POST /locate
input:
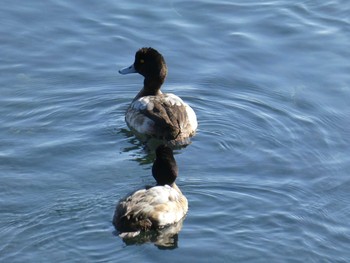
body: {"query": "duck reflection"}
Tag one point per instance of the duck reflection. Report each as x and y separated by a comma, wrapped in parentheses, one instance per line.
(154, 214)
(166, 238)
(143, 148)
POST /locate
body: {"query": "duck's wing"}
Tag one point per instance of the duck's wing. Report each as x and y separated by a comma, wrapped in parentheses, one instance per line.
(151, 208)
(127, 216)
(169, 114)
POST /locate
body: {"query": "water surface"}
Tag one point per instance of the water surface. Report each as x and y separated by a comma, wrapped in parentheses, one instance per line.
(266, 175)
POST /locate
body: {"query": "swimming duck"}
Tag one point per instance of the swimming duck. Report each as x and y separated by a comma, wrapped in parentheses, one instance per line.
(156, 207)
(160, 115)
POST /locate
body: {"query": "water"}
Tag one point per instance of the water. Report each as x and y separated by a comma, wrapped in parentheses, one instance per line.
(266, 175)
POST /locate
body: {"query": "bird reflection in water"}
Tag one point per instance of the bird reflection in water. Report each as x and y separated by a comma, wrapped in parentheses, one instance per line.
(166, 238)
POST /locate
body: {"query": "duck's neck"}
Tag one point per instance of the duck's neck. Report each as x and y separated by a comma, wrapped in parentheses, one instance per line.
(151, 87)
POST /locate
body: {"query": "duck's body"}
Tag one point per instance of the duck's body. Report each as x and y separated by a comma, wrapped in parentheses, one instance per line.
(152, 208)
(164, 116)
(152, 113)
(155, 207)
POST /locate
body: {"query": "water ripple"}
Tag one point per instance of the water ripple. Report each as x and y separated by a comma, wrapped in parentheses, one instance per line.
(267, 173)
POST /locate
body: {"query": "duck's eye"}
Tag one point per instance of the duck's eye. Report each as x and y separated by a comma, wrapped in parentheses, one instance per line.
(142, 61)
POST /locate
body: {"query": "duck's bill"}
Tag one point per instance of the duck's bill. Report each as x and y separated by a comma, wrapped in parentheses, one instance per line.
(128, 70)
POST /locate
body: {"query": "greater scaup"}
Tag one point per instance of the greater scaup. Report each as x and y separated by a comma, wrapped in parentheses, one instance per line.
(156, 207)
(160, 115)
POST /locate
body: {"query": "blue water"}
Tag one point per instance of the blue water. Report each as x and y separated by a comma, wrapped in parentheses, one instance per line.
(266, 176)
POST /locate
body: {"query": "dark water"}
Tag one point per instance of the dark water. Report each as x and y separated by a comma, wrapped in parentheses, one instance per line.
(267, 175)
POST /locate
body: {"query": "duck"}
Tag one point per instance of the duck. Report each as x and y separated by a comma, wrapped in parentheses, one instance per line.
(152, 113)
(156, 207)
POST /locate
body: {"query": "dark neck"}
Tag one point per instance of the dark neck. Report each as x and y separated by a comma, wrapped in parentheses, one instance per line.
(151, 87)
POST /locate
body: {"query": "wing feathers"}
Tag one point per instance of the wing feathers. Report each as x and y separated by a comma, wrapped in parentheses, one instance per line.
(145, 209)
(168, 114)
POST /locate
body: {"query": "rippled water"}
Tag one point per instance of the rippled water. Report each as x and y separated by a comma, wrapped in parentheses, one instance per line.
(266, 175)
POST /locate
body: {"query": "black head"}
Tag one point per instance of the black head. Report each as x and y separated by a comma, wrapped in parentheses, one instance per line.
(164, 168)
(150, 64)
